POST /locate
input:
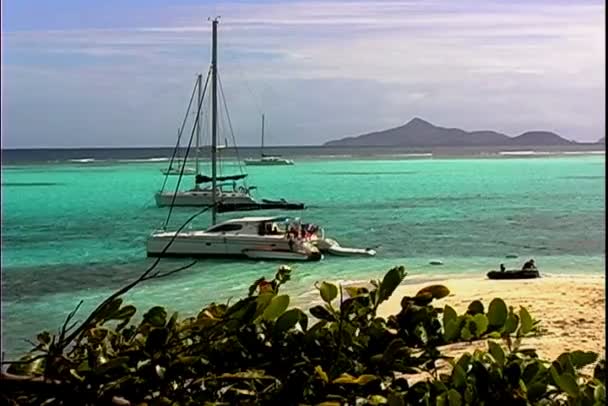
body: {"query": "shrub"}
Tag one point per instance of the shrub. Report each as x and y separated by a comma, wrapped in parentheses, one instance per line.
(260, 351)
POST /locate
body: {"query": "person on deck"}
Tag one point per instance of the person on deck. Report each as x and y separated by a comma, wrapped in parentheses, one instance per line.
(529, 265)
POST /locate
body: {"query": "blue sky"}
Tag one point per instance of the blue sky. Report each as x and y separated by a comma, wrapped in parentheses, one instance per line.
(120, 73)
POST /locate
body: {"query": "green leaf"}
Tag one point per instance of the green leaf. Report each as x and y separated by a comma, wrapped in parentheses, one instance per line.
(329, 291)
(497, 312)
(28, 365)
(459, 376)
(287, 321)
(497, 352)
(583, 358)
(436, 291)
(536, 390)
(466, 334)
(277, 306)
(321, 313)
(526, 320)
(344, 379)
(475, 307)
(510, 324)
(115, 363)
(321, 374)
(481, 324)
(391, 280)
(106, 312)
(568, 384)
(365, 379)
(449, 314)
(423, 299)
(454, 397)
(451, 330)
(599, 393)
(156, 316)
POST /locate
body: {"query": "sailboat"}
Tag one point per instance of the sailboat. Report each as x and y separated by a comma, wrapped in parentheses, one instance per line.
(175, 165)
(267, 160)
(227, 189)
(281, 238)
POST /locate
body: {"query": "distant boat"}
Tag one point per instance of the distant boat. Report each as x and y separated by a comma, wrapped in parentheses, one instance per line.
(175, 166)
(267, 160)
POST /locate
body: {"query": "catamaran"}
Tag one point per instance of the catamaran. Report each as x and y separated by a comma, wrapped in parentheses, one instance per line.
(227, 187)
(281, 238)
(267, 160)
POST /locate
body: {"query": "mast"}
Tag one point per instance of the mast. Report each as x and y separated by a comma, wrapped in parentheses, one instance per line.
(198, 122)
(262, 152)
(214, 121)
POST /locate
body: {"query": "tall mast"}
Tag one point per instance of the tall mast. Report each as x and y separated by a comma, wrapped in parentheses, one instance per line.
(262, 135)
(214, 121)
(198, 121)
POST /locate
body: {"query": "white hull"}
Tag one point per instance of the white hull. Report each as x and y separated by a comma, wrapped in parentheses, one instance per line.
(206, 244)
(278, 255)
(201, 198)
(268, 162)
(332, 247)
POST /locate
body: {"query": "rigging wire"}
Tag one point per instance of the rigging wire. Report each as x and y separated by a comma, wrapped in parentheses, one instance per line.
(181, 174)
(236, 148)
(179, 135)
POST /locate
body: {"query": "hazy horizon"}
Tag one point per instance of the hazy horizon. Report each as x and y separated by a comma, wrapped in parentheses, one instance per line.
(114, 75)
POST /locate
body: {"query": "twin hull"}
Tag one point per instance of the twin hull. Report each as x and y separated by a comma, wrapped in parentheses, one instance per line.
(201, 198)
(198, 244)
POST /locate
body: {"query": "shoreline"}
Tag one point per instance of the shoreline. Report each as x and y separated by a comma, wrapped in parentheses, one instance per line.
(570, 309)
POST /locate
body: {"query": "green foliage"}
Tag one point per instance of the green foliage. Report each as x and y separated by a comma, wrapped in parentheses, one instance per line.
(259, 351)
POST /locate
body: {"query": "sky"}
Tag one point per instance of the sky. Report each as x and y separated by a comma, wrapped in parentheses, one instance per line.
(118, 73)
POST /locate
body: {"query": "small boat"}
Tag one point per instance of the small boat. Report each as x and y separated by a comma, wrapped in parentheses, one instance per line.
(332, 246)
(514, 274)
(267, 160)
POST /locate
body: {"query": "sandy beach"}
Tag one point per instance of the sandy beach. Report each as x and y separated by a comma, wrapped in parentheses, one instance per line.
(571, 309)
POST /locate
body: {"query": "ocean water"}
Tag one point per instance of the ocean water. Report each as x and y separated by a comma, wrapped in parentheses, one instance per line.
(76, 229)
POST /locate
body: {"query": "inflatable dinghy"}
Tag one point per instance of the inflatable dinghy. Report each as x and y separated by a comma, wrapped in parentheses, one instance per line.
(332, 247)
(514, 274)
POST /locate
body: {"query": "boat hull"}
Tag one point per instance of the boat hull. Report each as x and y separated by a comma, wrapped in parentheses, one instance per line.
(206, 245)
(261, 162)
(518, 274)
(202, 198)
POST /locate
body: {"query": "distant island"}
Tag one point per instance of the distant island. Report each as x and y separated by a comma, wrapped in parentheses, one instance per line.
(420, 133)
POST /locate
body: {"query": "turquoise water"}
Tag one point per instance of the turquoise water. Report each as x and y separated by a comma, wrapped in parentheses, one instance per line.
(77, 231)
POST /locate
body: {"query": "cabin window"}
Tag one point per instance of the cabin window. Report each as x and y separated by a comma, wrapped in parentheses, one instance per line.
(225, 227)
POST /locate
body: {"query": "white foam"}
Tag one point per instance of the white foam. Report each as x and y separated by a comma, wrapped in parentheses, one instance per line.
(159, 159)
(83, 160)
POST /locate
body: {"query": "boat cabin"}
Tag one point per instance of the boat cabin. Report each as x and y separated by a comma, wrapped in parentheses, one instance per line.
(280, 226)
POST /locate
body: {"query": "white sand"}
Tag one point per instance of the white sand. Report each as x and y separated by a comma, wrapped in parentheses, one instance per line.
(571, 309)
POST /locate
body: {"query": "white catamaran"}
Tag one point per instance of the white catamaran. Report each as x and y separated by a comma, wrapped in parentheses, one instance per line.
(267, 160)
(227, 189)
(281, 238)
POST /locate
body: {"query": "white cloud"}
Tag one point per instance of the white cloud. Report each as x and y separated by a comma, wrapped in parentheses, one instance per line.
(482, 64)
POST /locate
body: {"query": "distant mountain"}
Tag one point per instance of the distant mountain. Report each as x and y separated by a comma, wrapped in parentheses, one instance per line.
(601, 140)
(420, 133)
